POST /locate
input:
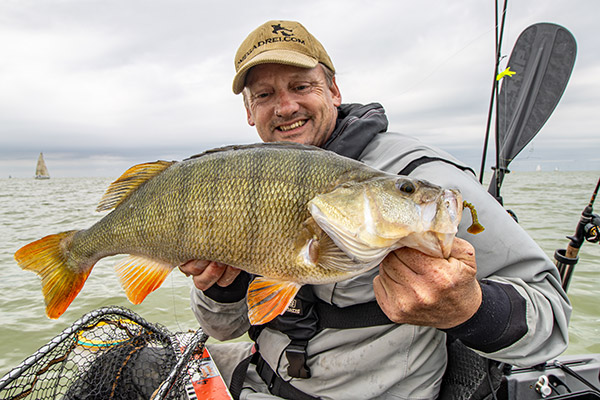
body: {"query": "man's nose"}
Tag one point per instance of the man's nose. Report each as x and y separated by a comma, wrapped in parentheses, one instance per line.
(286, 104)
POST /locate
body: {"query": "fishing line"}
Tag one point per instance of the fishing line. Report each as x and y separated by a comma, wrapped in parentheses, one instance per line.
(445, 61)
(499, 33)
(174, 304)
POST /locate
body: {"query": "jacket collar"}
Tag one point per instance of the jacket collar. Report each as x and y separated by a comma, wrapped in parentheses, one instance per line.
(356, 126)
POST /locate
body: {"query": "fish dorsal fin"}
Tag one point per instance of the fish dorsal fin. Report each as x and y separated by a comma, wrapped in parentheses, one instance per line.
(140, 276)
(258, 146)
(269, 298)
(130, 181)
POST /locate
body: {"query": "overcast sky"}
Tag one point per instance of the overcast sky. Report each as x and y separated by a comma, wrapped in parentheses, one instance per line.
(100, 85)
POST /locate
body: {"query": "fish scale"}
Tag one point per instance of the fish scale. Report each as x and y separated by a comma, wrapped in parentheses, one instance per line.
(245, 206)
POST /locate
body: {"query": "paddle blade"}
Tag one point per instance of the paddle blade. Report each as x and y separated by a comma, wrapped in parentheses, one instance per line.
(542, 59)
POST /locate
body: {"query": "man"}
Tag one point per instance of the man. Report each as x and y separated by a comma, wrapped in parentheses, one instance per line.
(497, 292)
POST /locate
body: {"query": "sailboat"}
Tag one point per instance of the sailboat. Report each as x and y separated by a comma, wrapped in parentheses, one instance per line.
(41, 171)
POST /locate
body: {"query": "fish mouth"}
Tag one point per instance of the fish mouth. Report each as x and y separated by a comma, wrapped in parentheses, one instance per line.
(292, 126)
(445, 242)
(443, 216)
(453, 201)
(449, 204)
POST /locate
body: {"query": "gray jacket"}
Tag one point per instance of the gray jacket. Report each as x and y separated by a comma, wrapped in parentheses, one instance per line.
(521, 289)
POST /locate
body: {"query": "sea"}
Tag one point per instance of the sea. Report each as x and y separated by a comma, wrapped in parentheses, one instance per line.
(548, 205)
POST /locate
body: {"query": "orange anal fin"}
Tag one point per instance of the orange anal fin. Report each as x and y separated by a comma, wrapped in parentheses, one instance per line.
(140, 276)
(269, 298)
(47, 257)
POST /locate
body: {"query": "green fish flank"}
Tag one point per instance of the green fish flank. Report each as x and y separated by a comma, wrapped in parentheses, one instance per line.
(244, 206)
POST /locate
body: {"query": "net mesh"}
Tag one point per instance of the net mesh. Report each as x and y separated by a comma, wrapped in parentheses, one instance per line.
(110, 353)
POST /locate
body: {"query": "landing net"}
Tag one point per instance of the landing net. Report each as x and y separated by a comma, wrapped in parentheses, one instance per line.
(109, 353)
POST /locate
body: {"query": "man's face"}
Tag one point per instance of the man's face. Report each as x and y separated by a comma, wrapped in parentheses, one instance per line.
(288, 103)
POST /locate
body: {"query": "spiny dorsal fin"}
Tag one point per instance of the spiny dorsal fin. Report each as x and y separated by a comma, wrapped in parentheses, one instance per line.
(130, 181)
(272, 145)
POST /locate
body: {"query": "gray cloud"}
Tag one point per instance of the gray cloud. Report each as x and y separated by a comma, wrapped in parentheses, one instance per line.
(100, 85)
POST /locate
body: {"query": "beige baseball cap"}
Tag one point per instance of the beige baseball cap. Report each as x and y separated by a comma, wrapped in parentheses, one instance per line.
(278, 42)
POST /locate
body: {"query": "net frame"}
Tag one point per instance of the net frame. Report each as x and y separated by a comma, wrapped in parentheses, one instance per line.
(55, 370)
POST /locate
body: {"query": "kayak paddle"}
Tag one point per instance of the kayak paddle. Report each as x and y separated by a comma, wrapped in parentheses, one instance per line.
(536, 76)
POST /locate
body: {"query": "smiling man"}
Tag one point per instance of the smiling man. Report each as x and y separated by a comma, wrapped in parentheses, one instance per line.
(381, 334)
(289, 103)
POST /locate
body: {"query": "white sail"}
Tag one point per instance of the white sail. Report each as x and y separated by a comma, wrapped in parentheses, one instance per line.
(41, 171)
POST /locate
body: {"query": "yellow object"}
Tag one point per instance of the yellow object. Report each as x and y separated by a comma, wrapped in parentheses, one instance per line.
(91, 343)
(475, 227)
(506, 72)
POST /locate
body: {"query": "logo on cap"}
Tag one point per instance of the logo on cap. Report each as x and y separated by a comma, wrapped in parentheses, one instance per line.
(282, 42)
(284, 31)
(284, 35)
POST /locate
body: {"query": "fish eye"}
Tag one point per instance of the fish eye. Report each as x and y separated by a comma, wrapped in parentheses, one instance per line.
(406, 187)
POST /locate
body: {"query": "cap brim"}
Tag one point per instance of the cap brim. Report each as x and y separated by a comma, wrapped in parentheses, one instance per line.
(286, 57)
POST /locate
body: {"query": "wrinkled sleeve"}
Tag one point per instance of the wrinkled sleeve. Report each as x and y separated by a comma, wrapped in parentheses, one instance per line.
(524, 315)
(221, 312)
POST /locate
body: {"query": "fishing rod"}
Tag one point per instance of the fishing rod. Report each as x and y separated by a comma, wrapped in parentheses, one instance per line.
(588, 229)
(495, 82)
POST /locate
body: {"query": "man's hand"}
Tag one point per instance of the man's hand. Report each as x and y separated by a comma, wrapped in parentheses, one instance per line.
(207, 273)
(414, 288)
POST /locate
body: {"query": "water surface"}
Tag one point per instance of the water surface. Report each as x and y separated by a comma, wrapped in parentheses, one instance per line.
(548, 205)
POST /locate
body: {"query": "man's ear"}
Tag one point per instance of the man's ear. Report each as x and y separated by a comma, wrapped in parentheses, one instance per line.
(335, 93)
(247, 107)
(249, 117)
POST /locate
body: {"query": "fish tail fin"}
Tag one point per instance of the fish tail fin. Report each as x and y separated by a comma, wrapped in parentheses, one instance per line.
(140, 276)
(48, 258)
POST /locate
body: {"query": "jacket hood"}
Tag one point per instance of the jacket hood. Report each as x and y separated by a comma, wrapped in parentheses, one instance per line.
(355, 127)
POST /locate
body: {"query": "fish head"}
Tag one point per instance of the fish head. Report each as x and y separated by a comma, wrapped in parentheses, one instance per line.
(369, 219)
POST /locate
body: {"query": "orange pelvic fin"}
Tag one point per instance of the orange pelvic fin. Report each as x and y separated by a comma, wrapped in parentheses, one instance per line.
(140, 276)
(48, 257)
(129, 182)
(269, 298)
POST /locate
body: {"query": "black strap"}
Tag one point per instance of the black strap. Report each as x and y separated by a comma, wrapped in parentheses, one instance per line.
(426, 159)
(239, 375)
(311, 316)
(330, 316)
(355, 316)
(277, 386)
(296, 355)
